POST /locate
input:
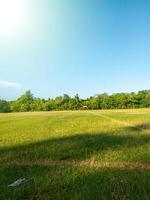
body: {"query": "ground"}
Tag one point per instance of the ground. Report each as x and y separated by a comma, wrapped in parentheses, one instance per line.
(84, 155)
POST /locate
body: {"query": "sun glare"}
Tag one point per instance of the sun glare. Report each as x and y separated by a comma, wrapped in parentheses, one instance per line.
(12, 16)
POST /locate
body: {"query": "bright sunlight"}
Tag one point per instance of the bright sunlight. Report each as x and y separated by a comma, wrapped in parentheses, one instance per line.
(12, 16)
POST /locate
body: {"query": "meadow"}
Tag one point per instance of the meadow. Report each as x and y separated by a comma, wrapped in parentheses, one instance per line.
(84, 155)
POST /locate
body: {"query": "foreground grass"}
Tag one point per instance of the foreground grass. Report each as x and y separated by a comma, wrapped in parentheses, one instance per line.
(76, 155)
(68, 182)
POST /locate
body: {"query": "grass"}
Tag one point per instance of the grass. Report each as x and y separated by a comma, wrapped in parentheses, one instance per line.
(76, 155)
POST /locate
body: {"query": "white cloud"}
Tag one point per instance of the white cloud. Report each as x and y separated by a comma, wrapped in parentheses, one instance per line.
(10, 85)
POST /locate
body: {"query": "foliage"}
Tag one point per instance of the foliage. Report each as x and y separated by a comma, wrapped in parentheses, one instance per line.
(27, 102)
(4, 106)
(23, 103)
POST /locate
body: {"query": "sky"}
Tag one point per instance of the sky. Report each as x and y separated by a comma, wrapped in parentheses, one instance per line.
(52, 47)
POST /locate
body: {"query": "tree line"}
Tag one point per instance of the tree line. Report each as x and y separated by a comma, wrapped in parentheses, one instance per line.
(27, 102)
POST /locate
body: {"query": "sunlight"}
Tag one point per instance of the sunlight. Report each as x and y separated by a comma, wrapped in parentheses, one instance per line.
(12, 16)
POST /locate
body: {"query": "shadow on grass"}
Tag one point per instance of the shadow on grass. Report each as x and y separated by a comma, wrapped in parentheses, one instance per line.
(76, 147)
(76, 183)
(140, 127)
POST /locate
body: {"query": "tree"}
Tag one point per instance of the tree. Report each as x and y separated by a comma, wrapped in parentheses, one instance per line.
(92, 103)
(27, 102)
(23, 103)
(78, 102)
(4, 106)
(104, 101)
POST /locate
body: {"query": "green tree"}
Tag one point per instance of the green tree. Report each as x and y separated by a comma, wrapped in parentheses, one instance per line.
(92, 103)
(78, 102)
(4, 106)
(23, 103)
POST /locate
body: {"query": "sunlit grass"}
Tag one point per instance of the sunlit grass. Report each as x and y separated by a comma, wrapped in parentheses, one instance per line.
(120, 136)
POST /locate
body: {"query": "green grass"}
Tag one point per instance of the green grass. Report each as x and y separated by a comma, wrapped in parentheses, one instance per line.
(76, 155)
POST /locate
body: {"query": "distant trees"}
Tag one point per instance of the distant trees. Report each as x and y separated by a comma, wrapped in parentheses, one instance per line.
(23, 103)
(92, 103)
(27, 102)
(4, 106)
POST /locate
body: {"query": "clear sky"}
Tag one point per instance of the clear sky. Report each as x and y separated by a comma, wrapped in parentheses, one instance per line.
(87, 47)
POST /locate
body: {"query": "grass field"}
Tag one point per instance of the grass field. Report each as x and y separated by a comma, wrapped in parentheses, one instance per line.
(76, 155)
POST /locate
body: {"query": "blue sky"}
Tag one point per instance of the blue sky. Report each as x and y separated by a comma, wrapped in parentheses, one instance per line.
(76, 46)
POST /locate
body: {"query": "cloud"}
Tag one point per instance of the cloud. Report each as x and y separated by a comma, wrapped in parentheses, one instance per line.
(10, 85)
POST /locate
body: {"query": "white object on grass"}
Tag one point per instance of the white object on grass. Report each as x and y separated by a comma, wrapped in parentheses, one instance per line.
(19, 182)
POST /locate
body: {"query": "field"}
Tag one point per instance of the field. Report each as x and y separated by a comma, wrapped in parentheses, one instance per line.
(84, 155)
